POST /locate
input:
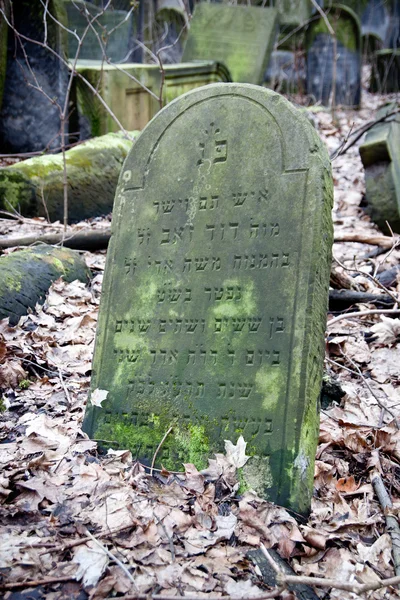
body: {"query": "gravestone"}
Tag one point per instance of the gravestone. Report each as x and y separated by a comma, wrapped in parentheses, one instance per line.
(320, 58)
(214, 300)
(35, 81)
(286, 72)
(170, 30)
(380, 154)
(111, 34)
(385, 75)
(242, 37)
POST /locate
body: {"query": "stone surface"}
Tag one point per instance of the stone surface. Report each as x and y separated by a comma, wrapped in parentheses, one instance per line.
(26, 275)
(239, 36)
(320, 55)
(113, 27)
(29, 119)
(293, 13)
(171, 27)
(36, 186)
(214, 301)
(132, 90)
(380, 154)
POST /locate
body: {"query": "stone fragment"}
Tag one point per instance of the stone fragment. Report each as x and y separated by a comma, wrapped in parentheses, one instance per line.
(214, 300)
(35, 187)
(132, 91)
(320, 58)
(35, 81)
(241, 37)
(380, 154)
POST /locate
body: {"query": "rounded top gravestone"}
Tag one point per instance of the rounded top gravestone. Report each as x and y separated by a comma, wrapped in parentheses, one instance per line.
(214, 300)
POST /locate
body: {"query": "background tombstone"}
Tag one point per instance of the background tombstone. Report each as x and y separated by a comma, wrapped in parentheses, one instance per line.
(114, 28)
(320, 57)
(170, 30)
(239, 36)
(380, 154)
(214, 300)
(29, 120)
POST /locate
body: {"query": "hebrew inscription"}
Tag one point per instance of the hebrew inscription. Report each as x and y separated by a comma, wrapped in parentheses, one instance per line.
(206, 323)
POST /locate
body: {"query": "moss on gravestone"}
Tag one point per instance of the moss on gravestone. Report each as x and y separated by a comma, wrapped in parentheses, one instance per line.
(26, 275)
(36, 186)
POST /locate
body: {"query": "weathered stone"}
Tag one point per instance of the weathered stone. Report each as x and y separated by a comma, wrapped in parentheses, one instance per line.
(320, 58)
(215, 293)
(26, 275)
(242, 37)
(380, 154)
(385, 77)
(36, 186)
(110, 36)
(132, 90)
(30, 117)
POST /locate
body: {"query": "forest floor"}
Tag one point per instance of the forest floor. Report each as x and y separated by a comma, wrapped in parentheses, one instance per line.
(75, 524)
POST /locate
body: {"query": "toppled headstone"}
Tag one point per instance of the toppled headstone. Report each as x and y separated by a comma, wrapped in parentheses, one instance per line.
(26, 275)
(36, 186)
(132, 90)
(385, 76)
(380, 154)
(242, 37)
(321, 69)
(215, 293)
(35, 81)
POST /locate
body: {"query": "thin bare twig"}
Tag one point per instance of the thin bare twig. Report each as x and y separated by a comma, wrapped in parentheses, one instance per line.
(153, 462)
(363, 313)
(392, 524)
(113, 557)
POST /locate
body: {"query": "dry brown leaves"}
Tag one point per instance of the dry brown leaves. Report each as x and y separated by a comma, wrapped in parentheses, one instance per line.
(189, 533)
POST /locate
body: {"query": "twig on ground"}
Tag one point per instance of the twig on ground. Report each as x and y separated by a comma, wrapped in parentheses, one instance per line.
(372, 277)
(153, 462)
(392, 524)
(363, 313)
(64, 387)
(35, 582)
(383, 241)
(113, 557)
(170, 540)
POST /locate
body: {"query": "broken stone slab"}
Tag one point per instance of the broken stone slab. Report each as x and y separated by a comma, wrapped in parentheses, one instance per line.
(26, 275)
(214, 300)
(320, 57)
(35, 187)
(132, 91)
(380, 154)
(30, 117)
(241, 37)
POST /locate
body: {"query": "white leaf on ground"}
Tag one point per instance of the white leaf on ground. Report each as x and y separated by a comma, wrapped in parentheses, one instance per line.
(387, 331)
(241, 589)
(98, 396)
(236, 455)
(92, 563)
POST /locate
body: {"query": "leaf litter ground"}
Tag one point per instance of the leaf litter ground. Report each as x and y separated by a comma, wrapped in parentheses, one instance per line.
(62, 505)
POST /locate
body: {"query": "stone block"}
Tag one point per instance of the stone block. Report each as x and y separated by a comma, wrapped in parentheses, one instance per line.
(132, 90)
(380, 154)
(241, 37)
(214, 301)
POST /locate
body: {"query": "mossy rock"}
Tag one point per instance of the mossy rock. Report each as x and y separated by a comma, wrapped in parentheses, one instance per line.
(35, 187)
(26, 275)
